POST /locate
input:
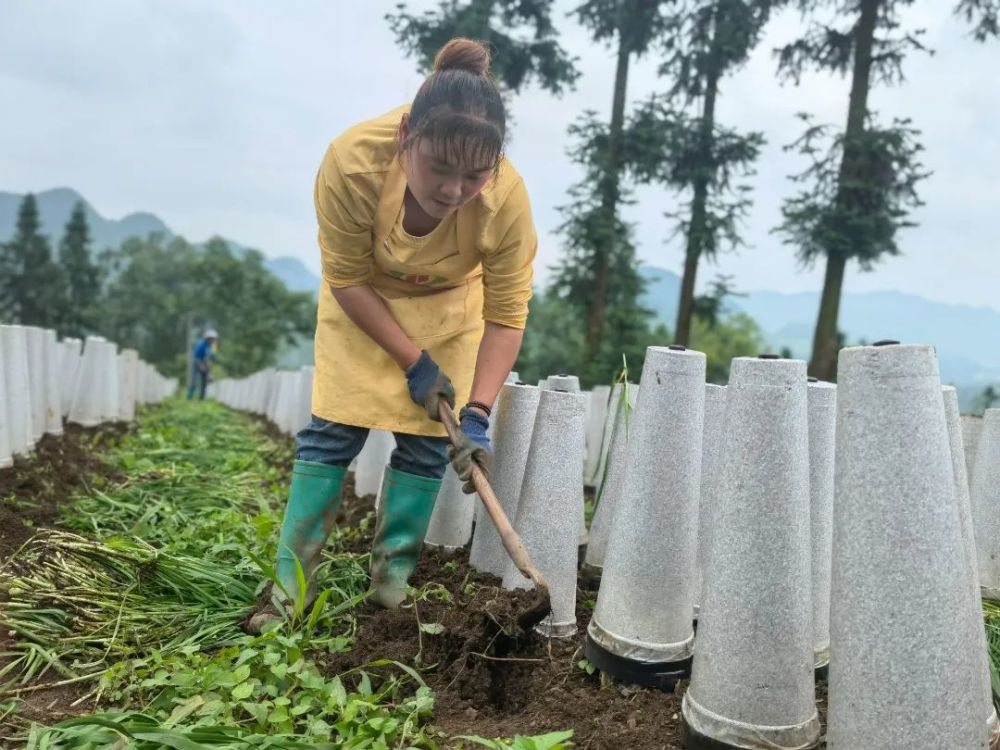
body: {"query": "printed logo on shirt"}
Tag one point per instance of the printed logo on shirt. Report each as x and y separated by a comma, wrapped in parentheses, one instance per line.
(421, 279)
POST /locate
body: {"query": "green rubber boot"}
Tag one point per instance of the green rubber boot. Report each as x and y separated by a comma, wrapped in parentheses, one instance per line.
(404, 513)
(313, 501)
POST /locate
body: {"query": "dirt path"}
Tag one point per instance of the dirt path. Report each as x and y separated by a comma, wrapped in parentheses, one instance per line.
(31, 495)
(32, 491)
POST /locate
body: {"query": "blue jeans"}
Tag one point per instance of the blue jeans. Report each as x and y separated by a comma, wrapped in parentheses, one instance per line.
(338, 444)
(199, 381)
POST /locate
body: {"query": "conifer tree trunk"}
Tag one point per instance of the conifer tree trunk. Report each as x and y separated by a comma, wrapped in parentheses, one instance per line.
(610, 195)
(824, 353)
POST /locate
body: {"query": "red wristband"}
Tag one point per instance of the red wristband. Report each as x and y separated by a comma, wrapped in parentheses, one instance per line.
(481, 406)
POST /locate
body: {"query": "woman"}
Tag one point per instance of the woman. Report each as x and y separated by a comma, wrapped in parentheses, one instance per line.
(427, 242)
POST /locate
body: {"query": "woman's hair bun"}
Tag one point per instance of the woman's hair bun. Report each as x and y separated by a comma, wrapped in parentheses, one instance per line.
(463, 54)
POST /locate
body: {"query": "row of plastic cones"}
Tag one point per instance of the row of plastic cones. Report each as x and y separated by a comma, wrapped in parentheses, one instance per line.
(816, 531)
(44, 380)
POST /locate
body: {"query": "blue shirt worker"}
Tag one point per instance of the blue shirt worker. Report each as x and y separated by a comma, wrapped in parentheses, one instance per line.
(201, 358)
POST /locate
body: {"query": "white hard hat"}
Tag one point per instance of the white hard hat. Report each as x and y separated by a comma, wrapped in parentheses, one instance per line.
(211, 333)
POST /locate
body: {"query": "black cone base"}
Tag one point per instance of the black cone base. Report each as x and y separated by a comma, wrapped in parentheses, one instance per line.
(694, 741)
(661, 675)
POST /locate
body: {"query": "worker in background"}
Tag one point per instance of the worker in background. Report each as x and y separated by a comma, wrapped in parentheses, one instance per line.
(201, 363)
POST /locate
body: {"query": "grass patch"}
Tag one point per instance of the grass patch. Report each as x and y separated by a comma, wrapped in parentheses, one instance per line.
(138, 601)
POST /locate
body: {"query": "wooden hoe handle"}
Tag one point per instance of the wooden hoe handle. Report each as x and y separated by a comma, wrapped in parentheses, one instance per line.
(511, 541)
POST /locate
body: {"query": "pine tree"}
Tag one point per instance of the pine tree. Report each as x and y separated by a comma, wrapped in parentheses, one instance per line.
(598, 244)
(599, 273)
(83, 282)
(676, 140)
(520, 34)
(862, 181)
(31, 287)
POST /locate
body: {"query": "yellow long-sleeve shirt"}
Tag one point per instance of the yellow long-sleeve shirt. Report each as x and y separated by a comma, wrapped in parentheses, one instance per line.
(348, 187)
(475, 266)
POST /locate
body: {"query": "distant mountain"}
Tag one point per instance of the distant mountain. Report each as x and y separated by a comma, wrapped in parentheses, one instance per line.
(296, 276)
(55, 207)
(967, 338)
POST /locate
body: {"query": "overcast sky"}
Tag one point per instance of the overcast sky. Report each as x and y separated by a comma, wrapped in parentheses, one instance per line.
(214, 115)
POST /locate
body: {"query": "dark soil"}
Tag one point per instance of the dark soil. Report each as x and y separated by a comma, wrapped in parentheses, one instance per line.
(32, 491)
(491, 678)
(31, 494)
(48, 706)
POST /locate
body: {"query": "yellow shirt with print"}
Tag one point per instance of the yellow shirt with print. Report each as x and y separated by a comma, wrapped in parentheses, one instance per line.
(475, 266)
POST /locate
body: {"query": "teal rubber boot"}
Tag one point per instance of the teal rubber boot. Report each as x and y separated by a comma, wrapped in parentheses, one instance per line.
(313, 502)
(404, 513)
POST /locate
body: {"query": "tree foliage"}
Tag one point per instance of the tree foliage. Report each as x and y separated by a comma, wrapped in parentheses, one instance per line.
(665, 145)
(859, 217)
(554, 342)
(860, 186)
(674, 138)
(31, 283)
(83, 277)
(832, 42)
(520, 33)
(735, 334)
(598, 273)
(983, 16)
(161, 294)
(988, 398)
(597, 242)
(862, 181)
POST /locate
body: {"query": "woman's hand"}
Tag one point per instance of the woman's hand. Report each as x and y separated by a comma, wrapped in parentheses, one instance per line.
(475, 448)
(428, 386)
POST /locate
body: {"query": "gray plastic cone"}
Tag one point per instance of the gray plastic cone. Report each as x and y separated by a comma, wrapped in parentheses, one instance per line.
(128, 369)
(711, 472)
(641, 631)
(53, 399)
(18, 393)
(512, 423)
(304, 401)
(752, 679)
(36, 379)
(972, 427)
(822, 433)
(596, 416)
(88, 392)
(569, 383)
(112, 384)
(609, 488)
(6, 454)
(450, 526)
(141, 383)
(985, 501)
(545, 515)
(69, 365)
(902, 666)
(372, 462)
(977, 633)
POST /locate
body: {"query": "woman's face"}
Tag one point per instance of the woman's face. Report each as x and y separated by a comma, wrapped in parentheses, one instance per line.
(439, 181)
